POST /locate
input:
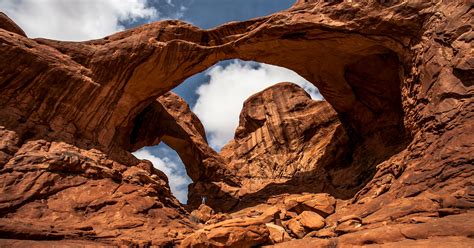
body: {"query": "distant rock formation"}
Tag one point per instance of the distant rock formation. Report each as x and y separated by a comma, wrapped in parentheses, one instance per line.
(277, 127)
(386, 159)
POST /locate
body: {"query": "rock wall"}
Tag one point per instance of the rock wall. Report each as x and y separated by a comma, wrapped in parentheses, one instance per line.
(397, 74)
(280, 128)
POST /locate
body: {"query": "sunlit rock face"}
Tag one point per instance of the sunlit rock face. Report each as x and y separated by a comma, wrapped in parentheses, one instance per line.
(276, 127)
(387, 159)
(283, 137)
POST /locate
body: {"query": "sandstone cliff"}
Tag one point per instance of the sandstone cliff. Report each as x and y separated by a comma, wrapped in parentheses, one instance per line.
(386, 160)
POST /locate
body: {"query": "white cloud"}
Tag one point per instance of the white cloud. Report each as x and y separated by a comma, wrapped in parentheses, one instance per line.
(178, 179)
(221, 99)
(169, 2)
(75, 19)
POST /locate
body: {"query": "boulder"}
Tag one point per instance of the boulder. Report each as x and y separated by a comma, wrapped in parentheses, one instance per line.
(278, 234)
(295, 226)
(311, 220)
(239, 232)
(323, 204)
(203, 213)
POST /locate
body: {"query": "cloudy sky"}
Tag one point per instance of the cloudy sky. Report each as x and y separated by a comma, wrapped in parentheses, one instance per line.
(215, 95)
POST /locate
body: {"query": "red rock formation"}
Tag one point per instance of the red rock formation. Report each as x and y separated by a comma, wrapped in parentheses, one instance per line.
(277, 132)
(170, 120)
(283, 138)
(81, 193)
(8, 25)
(53, 190)
(397, 73)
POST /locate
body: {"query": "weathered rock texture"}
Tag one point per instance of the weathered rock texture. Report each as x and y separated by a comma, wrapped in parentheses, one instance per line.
(170, 120)
(281, 132)
(285, 142)
(8, 25)
(52, 190)
(398, 74)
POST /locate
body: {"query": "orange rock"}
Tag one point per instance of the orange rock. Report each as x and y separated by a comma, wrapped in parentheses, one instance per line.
(323, 204)
(8, 25)
(246, 232)
(295, 226)
(393, 140)
(278, 234)
(311, 220)
(203, 213)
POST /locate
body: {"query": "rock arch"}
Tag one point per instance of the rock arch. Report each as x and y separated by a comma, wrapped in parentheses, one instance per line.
(150, 60)
(71, 99)
(358, 69)
(126, 71)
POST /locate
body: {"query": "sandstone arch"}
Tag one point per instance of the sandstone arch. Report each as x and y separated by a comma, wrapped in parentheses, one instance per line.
(150, 60)
(88, 94)
(356, 68)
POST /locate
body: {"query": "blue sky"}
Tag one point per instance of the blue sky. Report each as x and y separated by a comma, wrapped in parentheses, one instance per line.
(215, 95)
(211, 13)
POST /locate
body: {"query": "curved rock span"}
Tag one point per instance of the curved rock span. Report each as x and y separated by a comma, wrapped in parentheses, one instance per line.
(386, 159)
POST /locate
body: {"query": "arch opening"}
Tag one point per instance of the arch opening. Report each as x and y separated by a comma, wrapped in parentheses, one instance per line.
(153, 125)
(348, 160)
(167, 160)
(228, 84)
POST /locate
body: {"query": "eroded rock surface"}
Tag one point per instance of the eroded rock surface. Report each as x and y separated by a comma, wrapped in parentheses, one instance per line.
(279, 128)
(397, 78)
(170, 120)
(53, 190)
(284, 140)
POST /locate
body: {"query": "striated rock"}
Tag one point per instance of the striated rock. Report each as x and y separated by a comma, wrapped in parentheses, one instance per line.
(323, 204)
(282, 145)
(53, 190)
(246, 232)
(244, 229)
(282, 132)
(277, 132)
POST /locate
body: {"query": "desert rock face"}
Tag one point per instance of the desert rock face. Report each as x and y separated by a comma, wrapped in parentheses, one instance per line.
(385, 160)
(52, 190)
(276, 131)
(8, 25)
(169, 119)
(284, 142)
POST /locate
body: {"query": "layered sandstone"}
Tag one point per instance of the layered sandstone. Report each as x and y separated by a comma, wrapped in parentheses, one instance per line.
(396, 74)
